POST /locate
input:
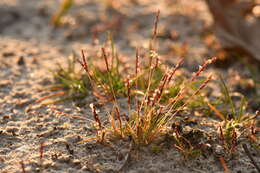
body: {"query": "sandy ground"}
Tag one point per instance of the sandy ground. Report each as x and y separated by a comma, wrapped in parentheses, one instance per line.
(30, 47)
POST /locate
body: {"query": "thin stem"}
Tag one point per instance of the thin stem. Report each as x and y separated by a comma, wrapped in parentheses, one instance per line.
(251, 157)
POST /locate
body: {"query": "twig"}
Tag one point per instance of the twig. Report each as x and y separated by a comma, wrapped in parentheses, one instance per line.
(67, 115)
(49, 96)
(249, 155)
(23, 167)
(128, 94)
(224, 164)
(41, 150)
(105, 57)
(156, 21)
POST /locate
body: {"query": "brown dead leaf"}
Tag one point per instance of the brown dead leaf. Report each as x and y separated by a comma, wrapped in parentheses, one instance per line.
(237, 26)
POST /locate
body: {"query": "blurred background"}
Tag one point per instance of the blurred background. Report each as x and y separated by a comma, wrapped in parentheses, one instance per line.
(195, 29)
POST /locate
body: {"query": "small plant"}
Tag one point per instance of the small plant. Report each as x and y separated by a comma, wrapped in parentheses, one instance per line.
(71, 80)
(189, 141)
(111, 79)
(233, 121)
(185, 146)
(70, 84)
(109, 82)
(148, 120)
(153, 89)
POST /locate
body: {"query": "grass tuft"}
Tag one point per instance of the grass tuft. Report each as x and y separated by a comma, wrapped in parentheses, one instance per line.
(235, 119)
(70, 84)
(155, 89)
(148, 121)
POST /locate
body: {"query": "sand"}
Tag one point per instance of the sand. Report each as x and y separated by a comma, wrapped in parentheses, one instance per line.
(30, 47)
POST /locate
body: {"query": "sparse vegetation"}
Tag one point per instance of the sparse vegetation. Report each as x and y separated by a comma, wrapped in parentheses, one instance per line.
(158, 95)
(235, 119)
(70, 84)
(155, 96)
(123, 102)
(149, 119)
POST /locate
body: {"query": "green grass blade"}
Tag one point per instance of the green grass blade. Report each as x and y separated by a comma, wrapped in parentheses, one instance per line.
(227, 96)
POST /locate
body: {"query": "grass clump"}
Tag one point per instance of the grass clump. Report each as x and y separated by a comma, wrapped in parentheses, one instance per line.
(154, 97)
(236, 122)
(110, 79)
(110, 82)
(149, 118)
(74, 84)
(70, 84)
(70, 80)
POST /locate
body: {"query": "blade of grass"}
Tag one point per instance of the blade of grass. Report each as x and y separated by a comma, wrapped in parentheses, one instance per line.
(227, 96)
(241, 109)
(63, 9)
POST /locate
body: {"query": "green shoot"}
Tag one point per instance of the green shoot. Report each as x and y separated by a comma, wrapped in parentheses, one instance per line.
(70, 83)
(232, 123)
(63, 9)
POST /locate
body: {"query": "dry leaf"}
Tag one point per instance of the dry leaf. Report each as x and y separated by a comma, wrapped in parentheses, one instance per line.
(237, 24)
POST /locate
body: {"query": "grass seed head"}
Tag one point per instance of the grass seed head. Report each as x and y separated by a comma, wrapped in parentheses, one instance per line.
(203, 66)
(95, 114)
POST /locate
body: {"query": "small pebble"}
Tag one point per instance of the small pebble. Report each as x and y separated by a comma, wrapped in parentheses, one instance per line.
(219, 150)
(21, 61)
